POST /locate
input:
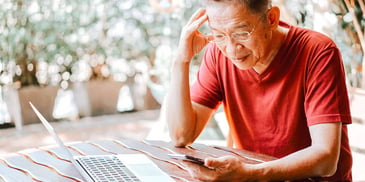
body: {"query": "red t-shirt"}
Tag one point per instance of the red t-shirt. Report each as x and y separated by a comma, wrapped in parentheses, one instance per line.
(270, 113)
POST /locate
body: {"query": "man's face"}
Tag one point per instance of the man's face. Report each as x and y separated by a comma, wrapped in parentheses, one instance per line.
(230, 24)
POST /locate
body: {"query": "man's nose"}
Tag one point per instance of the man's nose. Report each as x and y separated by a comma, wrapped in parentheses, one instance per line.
(233, 47)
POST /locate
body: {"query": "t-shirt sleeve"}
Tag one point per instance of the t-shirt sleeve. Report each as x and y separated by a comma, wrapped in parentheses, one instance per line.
(326, 98)
(206, 89)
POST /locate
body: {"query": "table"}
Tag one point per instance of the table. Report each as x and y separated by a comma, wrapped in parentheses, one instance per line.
(49, 163)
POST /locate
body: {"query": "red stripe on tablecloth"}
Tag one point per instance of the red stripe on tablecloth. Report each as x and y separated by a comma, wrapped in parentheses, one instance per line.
(47, 166)
(21, 170)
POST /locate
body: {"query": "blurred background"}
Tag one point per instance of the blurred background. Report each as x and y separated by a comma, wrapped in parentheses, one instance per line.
(102, 62)
(68, 56)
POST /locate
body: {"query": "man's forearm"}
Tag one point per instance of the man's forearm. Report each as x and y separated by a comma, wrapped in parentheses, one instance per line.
(302, 164)
(180, 115)
(320, 159)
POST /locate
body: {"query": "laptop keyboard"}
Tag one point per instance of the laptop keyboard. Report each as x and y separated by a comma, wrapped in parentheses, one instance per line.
(107, 168)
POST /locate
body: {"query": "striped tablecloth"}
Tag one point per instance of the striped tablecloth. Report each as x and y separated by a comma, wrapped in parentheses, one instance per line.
(49, 163)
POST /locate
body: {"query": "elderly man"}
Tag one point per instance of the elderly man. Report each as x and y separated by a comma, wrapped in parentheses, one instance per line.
(282, 87)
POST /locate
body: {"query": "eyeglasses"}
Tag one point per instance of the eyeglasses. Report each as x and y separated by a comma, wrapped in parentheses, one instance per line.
(241, 36)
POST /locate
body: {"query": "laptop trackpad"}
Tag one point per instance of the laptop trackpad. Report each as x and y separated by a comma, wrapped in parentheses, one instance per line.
(145, 169)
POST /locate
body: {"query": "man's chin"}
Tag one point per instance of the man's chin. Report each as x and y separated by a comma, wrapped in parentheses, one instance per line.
(242, 66)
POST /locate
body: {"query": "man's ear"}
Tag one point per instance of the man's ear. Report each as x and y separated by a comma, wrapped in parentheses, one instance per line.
(273, 17)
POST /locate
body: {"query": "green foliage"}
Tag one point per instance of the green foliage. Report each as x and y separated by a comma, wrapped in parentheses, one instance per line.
(61, 32)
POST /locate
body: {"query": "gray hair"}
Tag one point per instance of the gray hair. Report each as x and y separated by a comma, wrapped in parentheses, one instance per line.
(254, 6)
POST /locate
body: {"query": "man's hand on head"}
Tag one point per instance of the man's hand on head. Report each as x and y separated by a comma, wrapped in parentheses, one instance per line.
(191, 40)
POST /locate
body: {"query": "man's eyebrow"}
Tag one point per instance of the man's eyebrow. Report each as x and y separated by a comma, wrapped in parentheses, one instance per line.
(242, 26)
(236, 27)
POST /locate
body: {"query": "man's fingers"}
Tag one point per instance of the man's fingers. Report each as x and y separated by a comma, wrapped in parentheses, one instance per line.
(213, 162)
(196, 24)
(196, 15)
(200, 172)
(217, 162)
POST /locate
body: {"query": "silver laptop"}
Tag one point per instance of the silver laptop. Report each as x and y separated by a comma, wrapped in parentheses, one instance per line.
(122, 167)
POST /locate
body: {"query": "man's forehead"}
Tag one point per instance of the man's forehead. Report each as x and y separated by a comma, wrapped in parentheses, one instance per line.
(228, 11)
(233, 17)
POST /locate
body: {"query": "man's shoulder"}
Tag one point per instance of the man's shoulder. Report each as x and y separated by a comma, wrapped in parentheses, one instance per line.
(311, 37)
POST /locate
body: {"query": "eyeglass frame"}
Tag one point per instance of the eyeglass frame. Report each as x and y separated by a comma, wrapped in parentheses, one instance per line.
(224, 37)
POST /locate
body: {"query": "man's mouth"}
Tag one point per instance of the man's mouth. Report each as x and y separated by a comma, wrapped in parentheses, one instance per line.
(240, 59)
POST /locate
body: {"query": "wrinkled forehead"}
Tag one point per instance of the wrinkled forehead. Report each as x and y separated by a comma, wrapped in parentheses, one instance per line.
(228, 15)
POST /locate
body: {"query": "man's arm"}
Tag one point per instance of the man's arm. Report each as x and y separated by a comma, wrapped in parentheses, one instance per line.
(320, 159)
(186, 119)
